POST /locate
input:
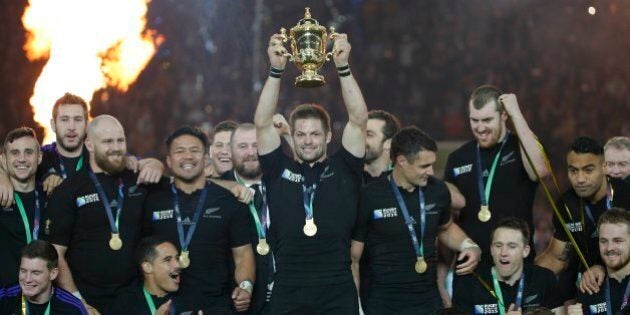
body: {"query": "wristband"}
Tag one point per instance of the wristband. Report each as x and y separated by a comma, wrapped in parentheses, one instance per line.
(466, 244)
(344, 71)
(275, 72)
(247, 286)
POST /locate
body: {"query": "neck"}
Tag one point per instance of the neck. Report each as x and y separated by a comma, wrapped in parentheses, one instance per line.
(43, 297)
(601, 192)
(190, 187)
(378, 166)
(313, 162)
(95, 168)
(619, 274)
(153, 288)
(24, 187)
(248, 181)
(69, 154)
(400, 180)
(511, 280)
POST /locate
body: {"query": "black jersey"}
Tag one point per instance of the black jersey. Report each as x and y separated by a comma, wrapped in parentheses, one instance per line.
(13, 233)
(223, 224)
(132, 301)
(64, 167)
(78, 220)
(381, 226)
(324, 258)
(512, 191)
(470, 296)
(61, 302)
(596, 303)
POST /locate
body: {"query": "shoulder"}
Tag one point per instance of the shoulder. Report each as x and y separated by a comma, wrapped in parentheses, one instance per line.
(379, 186)
(464, 150)
(10, 292)
(49, 148)
(69, 299)
(539, 275)
(437, 184)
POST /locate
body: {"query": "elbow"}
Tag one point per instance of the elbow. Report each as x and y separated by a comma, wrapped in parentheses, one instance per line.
(542, 170)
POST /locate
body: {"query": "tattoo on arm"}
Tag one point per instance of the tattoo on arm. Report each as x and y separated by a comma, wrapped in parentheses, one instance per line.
(567, 252)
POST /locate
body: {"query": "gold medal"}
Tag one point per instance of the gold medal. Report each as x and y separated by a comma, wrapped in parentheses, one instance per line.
(262, 248)
(484, 214)
(115, 242)
(310, 228)
(184, 259)
(421, 265)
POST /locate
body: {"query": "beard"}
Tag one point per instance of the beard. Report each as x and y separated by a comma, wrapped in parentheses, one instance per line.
(371, 154)
(244, 171)
(618, 264)
(316, 155)
(108, 166)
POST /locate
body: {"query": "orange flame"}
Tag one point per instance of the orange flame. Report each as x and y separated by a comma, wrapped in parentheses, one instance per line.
(90, 44)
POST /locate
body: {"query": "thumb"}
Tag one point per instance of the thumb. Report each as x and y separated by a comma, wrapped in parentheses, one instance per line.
(512, 307)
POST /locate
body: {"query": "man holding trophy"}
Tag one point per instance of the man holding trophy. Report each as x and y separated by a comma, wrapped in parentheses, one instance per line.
(311, 223)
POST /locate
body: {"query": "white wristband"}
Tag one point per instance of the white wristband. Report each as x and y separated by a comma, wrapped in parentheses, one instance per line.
(466, 244)
(247, 286)
(77, 294)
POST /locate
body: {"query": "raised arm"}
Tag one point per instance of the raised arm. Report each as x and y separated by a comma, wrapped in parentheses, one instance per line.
(266, 135)
(353, 138)
(527, 137)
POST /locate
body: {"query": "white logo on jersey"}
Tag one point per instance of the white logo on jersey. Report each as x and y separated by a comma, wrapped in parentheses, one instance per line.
(84, 200)
(462, 170)
(384, 213)
(162, 215)
(288, 175)
(486, 309)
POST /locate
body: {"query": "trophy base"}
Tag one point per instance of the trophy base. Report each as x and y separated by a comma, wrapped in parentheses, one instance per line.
(308, 80)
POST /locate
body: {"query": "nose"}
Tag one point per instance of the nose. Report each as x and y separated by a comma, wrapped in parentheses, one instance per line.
(581, 178)
(430, 170)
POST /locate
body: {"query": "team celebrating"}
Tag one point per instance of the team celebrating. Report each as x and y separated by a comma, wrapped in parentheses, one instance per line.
(260, 218)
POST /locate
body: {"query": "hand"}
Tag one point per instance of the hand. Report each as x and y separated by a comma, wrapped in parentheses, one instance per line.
(90, 309)
(276, 51)
(575, 309)
(164, 309)
(6, 191)
(131, 163)
(242, 193)
(341, 49)
(513, 311)
(51, 182)
(241, 299)
(592, 279)
(471, 257)
(151, 171)
(281, 124)
(509, 103)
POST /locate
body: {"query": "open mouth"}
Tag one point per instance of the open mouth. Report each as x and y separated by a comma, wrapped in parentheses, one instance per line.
(188, 166)
(175, 276)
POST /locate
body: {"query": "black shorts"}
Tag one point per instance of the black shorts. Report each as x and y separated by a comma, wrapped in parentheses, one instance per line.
(338, 299)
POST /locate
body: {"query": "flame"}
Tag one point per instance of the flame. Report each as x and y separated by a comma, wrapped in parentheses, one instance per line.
(89, 44)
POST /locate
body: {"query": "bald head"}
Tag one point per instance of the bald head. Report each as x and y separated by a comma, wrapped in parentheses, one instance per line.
(107, 144)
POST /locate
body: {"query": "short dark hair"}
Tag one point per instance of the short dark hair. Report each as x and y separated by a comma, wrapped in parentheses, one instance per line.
(614, 215)
(513, 223)
(43, 250)
(409, 141)
(191, 131)
(306, 111)
(243, 127)
(146, 252)
(226, 125)
(18, 133)
(584, 145)
(485, 94)
(392, 125)
(68, 99)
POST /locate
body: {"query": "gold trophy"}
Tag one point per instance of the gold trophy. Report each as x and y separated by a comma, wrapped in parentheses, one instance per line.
(308, 49)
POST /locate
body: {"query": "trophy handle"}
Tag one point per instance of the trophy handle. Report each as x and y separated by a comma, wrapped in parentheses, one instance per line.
(332, 35)
(285, 38)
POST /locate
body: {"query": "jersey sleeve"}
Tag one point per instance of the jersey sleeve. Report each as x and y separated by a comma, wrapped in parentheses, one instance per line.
(61, 213)
(448, 170)
(445, 211)
(359, 232)
(550, 283)
(353, 163)
(239, 225)
(559, 231)
(272, 164)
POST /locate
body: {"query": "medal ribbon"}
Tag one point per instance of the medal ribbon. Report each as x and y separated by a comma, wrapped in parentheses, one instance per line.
(260, 227)
(484, 190)
(26, 311)
(27, 228)
(62, 167)
(113, 224)
(308, 195)
(499, 295)
(418, 246)
(624, 302)
(149, 300)
(184, 242)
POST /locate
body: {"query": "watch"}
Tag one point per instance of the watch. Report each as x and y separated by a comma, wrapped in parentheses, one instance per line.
(247, 286)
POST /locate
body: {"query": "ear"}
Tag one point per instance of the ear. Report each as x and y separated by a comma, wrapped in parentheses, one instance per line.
(146, 267)
(401, 160)
(526, 251)
(54, 273)
(387, 144)
(39, 157)
(89, 145)
(3, 160)
(52, 125)
(328, 137)
(168, 161)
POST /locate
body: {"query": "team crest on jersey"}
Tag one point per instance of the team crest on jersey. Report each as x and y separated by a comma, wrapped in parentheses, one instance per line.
(87, 199)
(133, 191)
(162, 215)
(486, 309)
(385, 213)
(211, 213)
(462, 170)
(508, 158)
(288, 175)
(598, 308)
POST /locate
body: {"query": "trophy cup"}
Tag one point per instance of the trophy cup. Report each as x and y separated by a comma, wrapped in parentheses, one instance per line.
(308, 49)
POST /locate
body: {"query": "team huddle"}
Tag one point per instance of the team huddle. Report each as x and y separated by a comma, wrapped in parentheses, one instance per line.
(260, 219)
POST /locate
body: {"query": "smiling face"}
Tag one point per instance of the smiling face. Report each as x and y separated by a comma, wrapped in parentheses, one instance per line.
(35, 278)
(245, 154)
(220, 152)
(186, 158)
(617, 162)
(487, 124)
(310, 140)
(614, 245)
(107, 145)
(163, 273)
(508, 250)
(417, 171)
(375, 140)
(22, 158)
(70, 127)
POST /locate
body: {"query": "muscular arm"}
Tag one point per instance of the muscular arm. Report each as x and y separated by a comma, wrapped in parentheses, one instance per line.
(244, 263)
(556, 257)
(356, 250)
(64, 280)
(457, 199)
(453, 237)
